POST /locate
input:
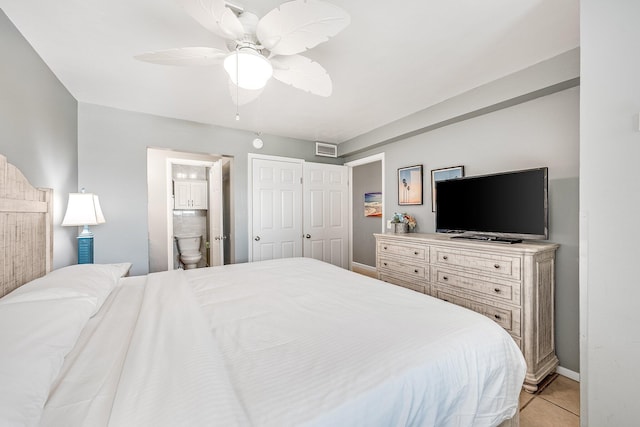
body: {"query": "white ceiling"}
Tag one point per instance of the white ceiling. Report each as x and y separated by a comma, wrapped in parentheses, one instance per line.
(394, 59)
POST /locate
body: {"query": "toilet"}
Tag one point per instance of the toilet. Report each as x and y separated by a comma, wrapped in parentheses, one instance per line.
(189, 248)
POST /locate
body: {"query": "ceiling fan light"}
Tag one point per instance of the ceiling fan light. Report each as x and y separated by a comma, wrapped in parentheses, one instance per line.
(253, 70)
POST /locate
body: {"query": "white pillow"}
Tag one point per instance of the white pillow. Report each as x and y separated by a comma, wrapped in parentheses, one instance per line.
(95, 281)
(35, 337)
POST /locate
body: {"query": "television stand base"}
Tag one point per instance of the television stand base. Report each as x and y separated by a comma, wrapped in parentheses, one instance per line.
(483, 237)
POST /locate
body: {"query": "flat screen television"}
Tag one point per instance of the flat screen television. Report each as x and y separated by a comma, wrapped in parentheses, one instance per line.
(507, 206)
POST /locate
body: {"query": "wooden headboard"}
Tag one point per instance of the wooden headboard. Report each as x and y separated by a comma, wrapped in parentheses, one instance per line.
(26, 229)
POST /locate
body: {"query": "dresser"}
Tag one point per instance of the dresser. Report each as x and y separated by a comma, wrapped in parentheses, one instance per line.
(512, 284)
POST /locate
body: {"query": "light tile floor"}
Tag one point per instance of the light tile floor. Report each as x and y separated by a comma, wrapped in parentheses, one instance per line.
(555, 404)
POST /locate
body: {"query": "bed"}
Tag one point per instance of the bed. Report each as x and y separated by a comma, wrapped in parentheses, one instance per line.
(289, 342)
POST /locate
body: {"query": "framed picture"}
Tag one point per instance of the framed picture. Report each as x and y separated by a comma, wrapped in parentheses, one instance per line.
(442, 175)
(372, 204)
(410, 185)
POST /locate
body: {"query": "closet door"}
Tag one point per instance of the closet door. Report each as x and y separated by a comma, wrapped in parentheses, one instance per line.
(276, 230)
(326, 213)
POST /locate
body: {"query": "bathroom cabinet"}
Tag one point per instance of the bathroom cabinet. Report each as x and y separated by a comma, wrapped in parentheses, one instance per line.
(190, 194)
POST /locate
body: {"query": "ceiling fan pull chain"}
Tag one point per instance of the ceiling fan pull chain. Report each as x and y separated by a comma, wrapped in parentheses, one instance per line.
(237, 84)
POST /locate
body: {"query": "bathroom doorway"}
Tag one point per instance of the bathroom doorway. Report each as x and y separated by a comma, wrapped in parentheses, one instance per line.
(190, 210)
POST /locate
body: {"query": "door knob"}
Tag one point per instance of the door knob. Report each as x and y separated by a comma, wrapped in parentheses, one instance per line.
(217, 237)
(257, 239)
(308, 236)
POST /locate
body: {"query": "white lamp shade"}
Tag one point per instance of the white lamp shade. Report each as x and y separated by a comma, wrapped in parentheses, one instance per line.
(99, 214)
(83, 209)
(248, 69)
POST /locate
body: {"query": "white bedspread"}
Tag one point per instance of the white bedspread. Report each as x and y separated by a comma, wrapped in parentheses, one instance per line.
(160, 365)
(292, 342)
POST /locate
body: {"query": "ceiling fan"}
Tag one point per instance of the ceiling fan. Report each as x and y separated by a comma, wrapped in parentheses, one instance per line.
(258, 49)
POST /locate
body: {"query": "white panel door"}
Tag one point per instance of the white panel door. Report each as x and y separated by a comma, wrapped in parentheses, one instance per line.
(216, 229)
(276, 209)
(326, 213)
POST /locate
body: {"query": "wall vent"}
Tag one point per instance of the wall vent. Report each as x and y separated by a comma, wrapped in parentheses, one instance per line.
(326, 150)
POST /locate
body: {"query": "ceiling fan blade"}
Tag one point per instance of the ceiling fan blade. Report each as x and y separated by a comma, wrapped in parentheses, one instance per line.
(302, 73)
(185, 56)
(242, 96)
(215, 17)
(299, 25)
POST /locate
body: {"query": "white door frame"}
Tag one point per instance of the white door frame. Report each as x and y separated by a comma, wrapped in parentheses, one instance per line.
(363, 161)
(169, 187)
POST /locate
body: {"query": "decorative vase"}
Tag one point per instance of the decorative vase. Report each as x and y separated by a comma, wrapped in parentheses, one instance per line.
(400, 227)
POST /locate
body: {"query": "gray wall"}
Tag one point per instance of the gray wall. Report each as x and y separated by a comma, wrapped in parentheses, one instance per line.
(365, 178)
(540, 132)
(609, 206)
(38, 122)
(112, 162)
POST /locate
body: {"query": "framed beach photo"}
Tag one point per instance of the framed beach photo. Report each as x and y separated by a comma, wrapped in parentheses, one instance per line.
(442, 175)
(410, 185)
(373, 204)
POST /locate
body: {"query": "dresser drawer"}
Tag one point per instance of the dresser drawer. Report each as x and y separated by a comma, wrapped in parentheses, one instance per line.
(405, 268)
(494, 264)
(417, 252)
(415, 286)
(488, 287)
(507, 317)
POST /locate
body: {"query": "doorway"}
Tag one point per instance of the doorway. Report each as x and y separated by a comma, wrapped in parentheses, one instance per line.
(189, 196)
(196, 215)
(366, 176)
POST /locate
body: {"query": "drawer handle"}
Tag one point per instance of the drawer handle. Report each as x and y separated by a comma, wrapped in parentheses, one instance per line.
(385, 248)
(496, 290)
(445, 277)
(496, 265)
(497, 316)
(415, 271)
(385, 264)
(445, 257)
(444, 299)
(415, 253)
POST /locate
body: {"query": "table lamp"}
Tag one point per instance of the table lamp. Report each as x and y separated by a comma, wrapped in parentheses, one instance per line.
(83, 209)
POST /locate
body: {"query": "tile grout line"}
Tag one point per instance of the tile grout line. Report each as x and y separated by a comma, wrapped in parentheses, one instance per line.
(527, 404)
(553, 403)
(544, 384)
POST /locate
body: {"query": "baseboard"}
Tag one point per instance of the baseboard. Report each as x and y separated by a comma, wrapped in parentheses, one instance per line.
(568, 373)
(364, 269)
(362, 266)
